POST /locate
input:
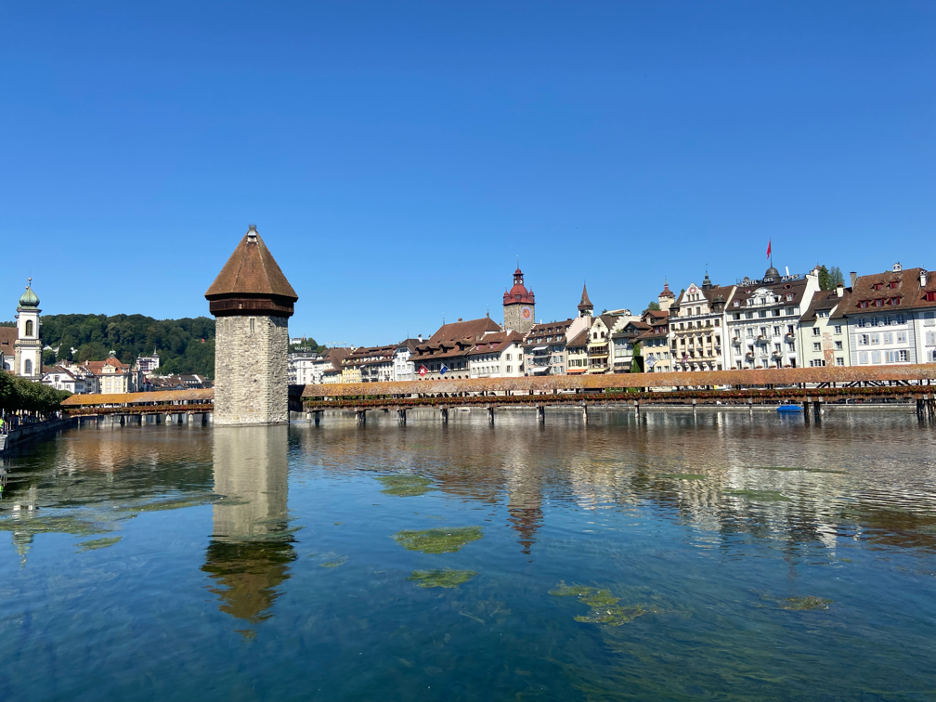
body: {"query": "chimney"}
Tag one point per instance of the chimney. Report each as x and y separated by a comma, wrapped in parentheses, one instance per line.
(840, 290)
(854, 278)
(419, 338)
(922, 278)
(459, 319)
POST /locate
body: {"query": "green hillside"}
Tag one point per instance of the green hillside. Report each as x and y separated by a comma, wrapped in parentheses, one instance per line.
(184, 345)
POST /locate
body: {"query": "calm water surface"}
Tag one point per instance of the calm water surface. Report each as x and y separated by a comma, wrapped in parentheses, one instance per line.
(659, 558)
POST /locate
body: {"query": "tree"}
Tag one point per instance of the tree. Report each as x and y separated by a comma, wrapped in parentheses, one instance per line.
(836, 277)
(48, 357)
(829, 279)
(654, 306)
(637, 362)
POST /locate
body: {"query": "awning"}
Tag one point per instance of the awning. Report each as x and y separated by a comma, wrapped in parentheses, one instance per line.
(539, 348)
(539, 369)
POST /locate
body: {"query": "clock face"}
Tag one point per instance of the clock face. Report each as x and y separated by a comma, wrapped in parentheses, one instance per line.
(526, 312)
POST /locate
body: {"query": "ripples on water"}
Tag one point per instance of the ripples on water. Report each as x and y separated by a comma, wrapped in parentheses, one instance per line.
(718, 555)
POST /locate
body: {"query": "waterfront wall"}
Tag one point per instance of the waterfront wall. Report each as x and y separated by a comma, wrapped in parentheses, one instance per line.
(30, 432)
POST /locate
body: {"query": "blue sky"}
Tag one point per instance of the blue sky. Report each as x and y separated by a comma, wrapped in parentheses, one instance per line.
(397, 157)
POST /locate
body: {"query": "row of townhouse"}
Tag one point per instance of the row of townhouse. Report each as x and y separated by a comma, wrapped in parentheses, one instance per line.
(777, 321)
(787, 322)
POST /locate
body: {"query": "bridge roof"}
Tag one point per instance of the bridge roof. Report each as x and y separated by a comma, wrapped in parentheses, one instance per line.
(140, 398)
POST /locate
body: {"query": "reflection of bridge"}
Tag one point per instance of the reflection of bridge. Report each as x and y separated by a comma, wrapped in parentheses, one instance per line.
(811, 387)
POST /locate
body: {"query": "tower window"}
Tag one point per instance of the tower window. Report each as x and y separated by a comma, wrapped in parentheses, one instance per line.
(29, 329)
(27, 367)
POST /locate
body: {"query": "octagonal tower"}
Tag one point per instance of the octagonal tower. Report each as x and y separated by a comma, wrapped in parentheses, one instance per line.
(252, 302)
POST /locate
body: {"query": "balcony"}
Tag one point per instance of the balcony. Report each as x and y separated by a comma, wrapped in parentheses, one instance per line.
(761, 341)
(790, 337)
(736, 341)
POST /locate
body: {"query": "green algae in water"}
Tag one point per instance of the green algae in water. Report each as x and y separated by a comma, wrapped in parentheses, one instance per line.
(599, 599)
(563, 590)
(682, 476)
(405, 484)
(803, 604)
(760, 495)
(438, 540)
(178, 503)
(334, 563)
(616, 616)
(604, 606)
(446, 577)
(98, 543)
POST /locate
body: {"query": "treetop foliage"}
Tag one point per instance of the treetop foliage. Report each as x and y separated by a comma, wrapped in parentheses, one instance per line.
(21, 394)
(184, 345)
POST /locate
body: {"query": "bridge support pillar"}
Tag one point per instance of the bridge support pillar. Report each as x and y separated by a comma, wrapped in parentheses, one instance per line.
(401, 417)
(317, 417)
(541, 414)
(445, 415)
(806, 404)
(360, 417)
(585, 414)
(491, 416)
(817, 410)
(750, 406)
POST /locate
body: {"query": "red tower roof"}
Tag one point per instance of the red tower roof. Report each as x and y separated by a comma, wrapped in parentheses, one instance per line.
(518, 294)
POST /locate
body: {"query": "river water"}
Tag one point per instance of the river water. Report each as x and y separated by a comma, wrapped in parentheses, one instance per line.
(665, 557)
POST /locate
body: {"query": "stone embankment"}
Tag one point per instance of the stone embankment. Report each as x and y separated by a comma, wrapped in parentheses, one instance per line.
(29, 432)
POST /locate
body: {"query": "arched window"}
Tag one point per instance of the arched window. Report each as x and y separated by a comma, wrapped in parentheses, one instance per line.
(29, 327)
(27, 364)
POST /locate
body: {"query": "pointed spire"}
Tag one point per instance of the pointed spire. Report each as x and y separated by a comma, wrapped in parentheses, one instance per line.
(585, 304)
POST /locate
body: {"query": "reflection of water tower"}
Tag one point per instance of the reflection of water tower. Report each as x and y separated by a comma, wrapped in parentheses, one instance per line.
(251, 546)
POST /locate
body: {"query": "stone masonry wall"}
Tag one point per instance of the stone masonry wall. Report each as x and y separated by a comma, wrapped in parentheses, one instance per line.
(250, 370)
(513, 319)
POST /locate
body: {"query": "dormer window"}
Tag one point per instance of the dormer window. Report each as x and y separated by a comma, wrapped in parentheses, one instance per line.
(789, 298)
(877, 286)
(737, 303)
(893, 285)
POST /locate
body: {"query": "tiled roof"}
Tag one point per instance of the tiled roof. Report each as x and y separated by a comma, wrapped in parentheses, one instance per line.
(725, 291)
(797, 288)
(823, 300)
(548, 329)
(472, 329)
(495, 343)
(898, 291)
(251, 270)
(580, 339)
(8, 336)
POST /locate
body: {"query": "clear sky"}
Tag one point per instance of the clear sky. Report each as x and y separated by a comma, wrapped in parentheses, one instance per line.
(397, 156)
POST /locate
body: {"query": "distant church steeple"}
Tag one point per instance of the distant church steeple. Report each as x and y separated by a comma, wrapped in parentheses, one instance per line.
(585, 307)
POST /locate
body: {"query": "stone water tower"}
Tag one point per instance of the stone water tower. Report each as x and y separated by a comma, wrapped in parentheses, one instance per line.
(252, 301)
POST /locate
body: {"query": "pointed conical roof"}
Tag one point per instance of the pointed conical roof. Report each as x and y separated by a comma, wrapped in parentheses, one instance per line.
(251, 270)
(585, 304)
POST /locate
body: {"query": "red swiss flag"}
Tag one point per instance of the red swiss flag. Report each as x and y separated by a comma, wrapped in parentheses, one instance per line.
(422, 371)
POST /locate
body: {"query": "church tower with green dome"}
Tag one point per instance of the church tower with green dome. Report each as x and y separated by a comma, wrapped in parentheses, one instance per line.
(27, 349)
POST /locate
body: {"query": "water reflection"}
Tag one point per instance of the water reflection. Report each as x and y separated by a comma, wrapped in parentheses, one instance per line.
(251, 546)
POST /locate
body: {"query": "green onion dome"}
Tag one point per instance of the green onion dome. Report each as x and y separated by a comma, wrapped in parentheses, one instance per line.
(28, 298)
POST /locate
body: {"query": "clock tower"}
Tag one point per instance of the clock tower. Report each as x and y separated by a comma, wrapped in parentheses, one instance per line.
(519, 305)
